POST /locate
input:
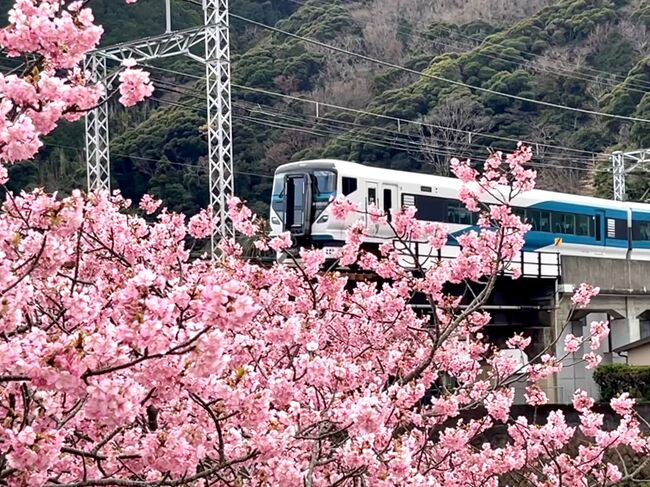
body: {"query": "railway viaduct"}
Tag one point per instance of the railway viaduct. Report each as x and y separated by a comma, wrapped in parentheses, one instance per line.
(538, 304)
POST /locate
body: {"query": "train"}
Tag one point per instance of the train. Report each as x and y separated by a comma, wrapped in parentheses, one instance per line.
(563, 224)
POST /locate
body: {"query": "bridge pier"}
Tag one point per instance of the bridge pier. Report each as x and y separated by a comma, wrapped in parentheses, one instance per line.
(624, 301)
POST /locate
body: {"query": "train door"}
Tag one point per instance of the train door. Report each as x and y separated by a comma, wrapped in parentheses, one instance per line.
(389, 204)
(298, 210)
(372, 198)
(599, 227)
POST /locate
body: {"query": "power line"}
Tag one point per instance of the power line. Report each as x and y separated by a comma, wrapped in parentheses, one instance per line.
(398, 120)
(408, 145)
(435, 77)
(301, 128)
(282, 121)
(150, 159)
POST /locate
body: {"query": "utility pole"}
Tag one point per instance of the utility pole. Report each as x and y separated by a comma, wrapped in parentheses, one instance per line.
(215, 37)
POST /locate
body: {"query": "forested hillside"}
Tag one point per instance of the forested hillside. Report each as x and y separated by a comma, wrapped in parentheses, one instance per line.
(588, 54)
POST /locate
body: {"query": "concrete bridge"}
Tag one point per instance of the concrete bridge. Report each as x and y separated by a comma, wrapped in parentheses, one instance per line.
(539, 305)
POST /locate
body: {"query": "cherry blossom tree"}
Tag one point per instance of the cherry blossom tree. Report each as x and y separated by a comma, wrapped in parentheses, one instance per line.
(51, 37)
(123, 362)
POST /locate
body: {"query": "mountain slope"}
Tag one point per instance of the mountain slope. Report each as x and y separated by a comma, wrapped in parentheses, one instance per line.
(590, 54)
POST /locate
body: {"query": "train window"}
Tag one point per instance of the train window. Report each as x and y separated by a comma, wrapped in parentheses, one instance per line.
(372, 196)
(557, 222)
(563, 223)
(640, 230)
(324, 182)
(388, 203)
(583, 225)
(430, 209)
(457, 213)
(645, 231)
(539, 220)
(544, 221)
(349, 185)
(533, 217)
(620, 229)
(569, 224)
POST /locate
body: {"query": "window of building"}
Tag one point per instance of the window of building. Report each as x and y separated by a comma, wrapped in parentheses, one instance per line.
(644, 324)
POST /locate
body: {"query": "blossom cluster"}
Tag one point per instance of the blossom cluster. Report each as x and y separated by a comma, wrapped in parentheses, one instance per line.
(57, 34)
(139, 361)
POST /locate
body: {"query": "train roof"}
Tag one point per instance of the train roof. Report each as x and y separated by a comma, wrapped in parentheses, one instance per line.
(431, 179)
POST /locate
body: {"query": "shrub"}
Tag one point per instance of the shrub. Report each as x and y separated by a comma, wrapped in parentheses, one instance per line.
(614, 379)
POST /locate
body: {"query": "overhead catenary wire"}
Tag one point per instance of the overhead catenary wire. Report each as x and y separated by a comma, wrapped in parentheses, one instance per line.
(301, 128)
(398, 120)
(281, 121)
(151, 159)
(392, 137)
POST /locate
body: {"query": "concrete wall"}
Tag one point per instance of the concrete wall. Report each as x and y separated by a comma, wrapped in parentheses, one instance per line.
(617, 274)
(640, 355)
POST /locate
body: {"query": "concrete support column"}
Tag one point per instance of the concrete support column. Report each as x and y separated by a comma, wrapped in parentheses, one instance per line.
(633, 324)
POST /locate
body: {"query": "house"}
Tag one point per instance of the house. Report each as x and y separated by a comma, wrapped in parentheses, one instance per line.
(636, 353)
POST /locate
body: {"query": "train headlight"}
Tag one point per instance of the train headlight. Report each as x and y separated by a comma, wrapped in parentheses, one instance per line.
(323, 219)
(275, 221)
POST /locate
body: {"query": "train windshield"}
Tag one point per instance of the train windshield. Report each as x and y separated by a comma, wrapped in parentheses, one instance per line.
(323, 187)
(277, 197)
(324, 183)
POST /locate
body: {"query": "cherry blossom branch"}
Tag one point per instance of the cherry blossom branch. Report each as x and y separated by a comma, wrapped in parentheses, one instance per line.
(118, 482)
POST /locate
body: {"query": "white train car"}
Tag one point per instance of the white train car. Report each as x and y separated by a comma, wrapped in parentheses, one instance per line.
(562, 224)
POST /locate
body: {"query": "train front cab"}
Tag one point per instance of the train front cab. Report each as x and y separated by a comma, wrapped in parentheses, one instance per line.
(301, 193)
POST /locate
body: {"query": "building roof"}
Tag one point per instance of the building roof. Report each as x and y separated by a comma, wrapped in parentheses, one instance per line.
(633, 345)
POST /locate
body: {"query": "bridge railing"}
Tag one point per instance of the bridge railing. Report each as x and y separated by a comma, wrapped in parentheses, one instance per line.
(540, 265)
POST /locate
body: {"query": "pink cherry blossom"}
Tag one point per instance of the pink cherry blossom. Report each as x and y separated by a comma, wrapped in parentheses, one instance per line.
(135, 86)
(463, 170)
(623, 404)
(592, 360)
(341, 207)
(201, 225)
(149, 204)
(519, 341)
(124, 360)
(281, 242)
(312, 261)
(581, 401)
(599, 331)
(582, 297)
(535, 396)
(572, 343)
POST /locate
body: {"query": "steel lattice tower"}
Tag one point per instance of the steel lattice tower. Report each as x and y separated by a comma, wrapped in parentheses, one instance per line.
(215, 36)
(620, 171)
